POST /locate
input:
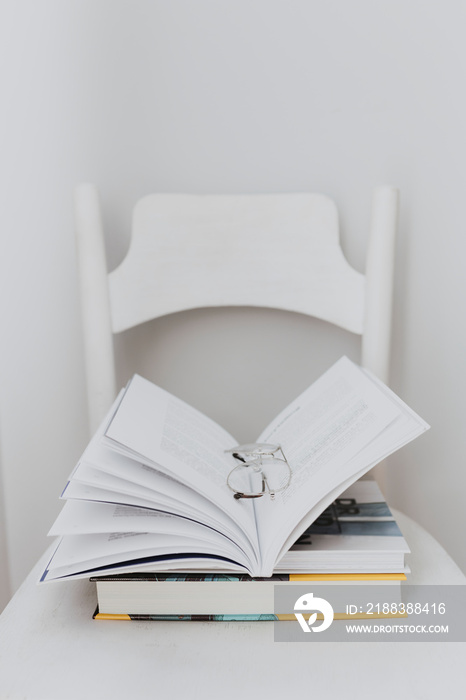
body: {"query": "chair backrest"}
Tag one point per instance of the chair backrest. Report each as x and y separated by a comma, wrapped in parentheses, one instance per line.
(192, 251)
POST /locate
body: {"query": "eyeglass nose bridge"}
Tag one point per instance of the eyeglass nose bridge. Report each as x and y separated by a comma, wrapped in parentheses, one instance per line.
(256, 449)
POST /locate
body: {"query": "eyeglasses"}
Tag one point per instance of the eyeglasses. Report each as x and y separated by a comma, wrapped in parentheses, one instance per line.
(259, 463)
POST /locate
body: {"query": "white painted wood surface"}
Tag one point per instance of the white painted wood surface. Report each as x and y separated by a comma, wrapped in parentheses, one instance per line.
(95, 304)
(376, 345)
(51, 649)
(279, 251)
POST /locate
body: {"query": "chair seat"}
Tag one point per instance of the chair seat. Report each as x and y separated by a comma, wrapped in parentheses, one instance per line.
(51, 648)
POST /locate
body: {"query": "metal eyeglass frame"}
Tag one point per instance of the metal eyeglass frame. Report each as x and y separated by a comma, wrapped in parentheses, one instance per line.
(251, 455)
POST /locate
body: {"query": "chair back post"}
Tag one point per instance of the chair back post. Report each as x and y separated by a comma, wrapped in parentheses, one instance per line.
(95, 305)
(376, 339)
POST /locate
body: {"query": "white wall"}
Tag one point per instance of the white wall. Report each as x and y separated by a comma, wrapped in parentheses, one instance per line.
(216, 96)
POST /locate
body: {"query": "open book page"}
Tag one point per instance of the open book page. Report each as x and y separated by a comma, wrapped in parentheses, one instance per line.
(122, 477)
(103, 490)
(331, 435)
(81, 554)
(101, 534)
(152, 426)
(403, 429)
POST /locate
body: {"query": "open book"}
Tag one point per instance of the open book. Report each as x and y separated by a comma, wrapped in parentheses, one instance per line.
(151, 488)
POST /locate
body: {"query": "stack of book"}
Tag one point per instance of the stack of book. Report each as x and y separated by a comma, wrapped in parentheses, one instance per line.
(153, 513)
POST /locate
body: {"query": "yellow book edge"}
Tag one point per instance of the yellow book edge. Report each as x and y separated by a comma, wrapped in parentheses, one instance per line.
(347, 577)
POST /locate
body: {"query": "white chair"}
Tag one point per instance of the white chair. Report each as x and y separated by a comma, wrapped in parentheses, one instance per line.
(191, 251)
(49, 645)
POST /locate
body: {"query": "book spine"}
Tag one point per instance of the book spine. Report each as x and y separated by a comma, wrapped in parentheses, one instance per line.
(187, 618)
(235, 618)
